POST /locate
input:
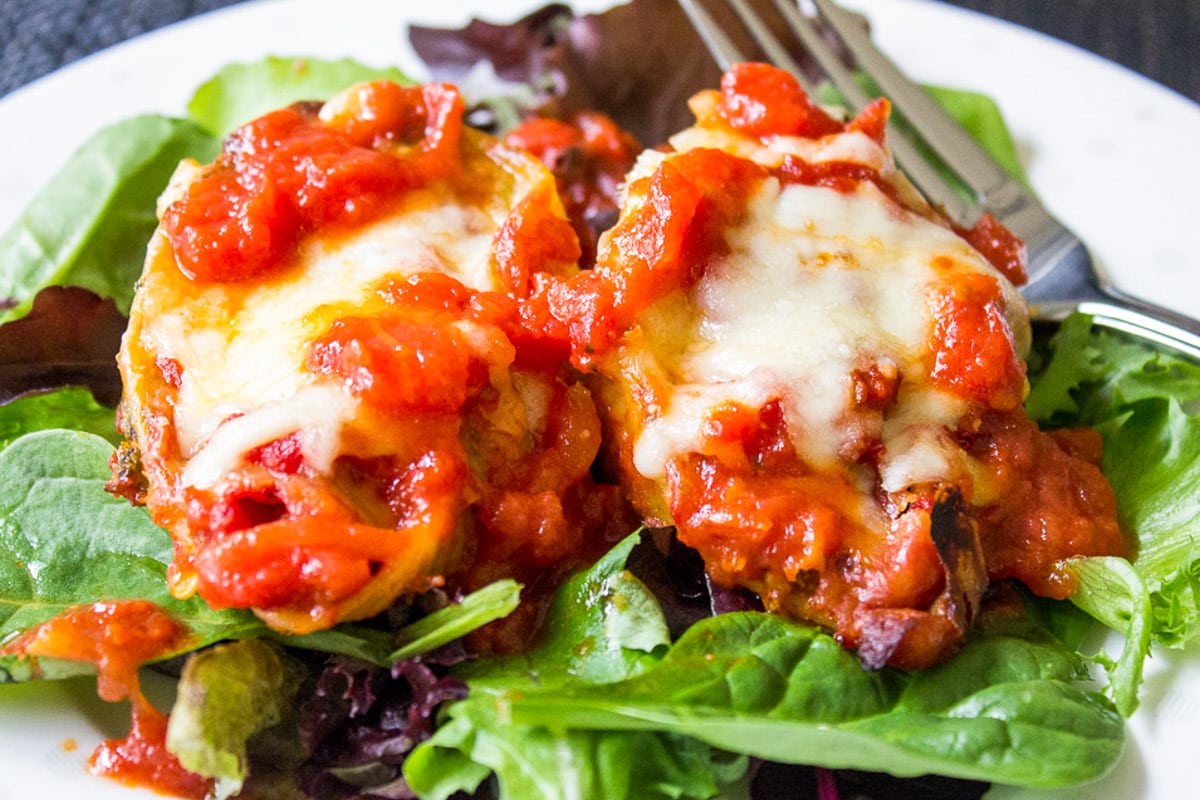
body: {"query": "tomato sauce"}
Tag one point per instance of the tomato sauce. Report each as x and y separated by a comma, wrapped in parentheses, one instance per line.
(589, 156)
(656, 247)
(457, 484)
(762, 101)
(118, 637)
(762, 518)
(1053, 502)
(292, 171)
(973, 351)
(470, 442)
(998, 245)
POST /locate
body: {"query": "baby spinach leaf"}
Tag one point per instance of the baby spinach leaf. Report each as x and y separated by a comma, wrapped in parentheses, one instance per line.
(241, 92)
(550, 763)
(440, 627)
(357, 641)
(65, 541)
(755, 684)
(603, 625)
(89, 225)
(492, 602)
(67, 408)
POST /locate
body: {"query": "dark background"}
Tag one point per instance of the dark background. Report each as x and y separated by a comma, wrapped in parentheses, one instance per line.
(1158, 38)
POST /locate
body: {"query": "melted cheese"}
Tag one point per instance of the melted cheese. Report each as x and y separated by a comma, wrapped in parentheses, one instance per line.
(243, 351)
(816, 284)
(241, 348)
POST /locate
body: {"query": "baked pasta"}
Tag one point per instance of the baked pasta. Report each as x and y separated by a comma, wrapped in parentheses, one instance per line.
(342, 382)
(818, 381)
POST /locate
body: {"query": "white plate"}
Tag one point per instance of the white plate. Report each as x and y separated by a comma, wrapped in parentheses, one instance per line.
(1110, 152)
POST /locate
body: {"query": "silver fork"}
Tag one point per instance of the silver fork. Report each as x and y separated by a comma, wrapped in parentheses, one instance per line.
(1062, 275)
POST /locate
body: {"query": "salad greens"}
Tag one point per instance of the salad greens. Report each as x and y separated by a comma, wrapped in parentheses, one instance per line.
(89, 225)
(72, 408)
(608, 704)
(65, 541)
(1144, 404)
(758, 685)
(241, 92)
(227, 695)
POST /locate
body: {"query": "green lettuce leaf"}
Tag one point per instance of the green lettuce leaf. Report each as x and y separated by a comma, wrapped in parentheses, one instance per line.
(89, 225)
(241, 92)
(1152, 456)
(1110, 590)
(1145, 404)
(226, 695)
(71, 408)
(1175, 606)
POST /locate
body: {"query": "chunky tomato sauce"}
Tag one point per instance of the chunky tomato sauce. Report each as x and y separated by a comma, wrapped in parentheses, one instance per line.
(974, 355)
(1054, 503)
(290, 172)
(290, 538)
(687, 202)
(589, 156)
(118, 637)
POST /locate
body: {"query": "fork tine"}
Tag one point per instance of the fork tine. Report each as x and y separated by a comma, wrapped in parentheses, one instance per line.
(719, 46)
(924, 174)
(993, 187)
(763, 37)
(908, 155)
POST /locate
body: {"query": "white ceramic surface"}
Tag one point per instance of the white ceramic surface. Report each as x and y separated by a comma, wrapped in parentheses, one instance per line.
(1111, 153)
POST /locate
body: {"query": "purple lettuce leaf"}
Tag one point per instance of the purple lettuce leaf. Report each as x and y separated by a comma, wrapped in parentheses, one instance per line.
(360, 721)
(70, 337)
(590, 62)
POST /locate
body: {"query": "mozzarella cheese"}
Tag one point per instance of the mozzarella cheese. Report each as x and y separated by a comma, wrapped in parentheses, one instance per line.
(241, 350)
(816, 283)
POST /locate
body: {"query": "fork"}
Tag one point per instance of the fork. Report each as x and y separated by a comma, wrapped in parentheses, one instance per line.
(1063, 278)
